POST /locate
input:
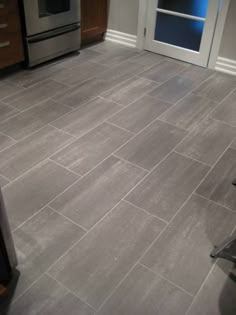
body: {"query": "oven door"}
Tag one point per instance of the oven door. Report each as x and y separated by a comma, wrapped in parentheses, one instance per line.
(45, 15)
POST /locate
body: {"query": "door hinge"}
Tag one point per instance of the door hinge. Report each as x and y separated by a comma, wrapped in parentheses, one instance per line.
(145, 31)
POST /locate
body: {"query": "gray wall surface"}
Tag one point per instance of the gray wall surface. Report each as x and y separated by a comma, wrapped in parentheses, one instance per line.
(123, 16)
(228, 43)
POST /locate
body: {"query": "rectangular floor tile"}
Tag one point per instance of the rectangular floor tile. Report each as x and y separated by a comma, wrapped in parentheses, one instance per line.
(48, 297)
(7, 89)
(149, 147)
(5, 142)
(35, 94)
(33, 119)
(148, 59)
(216, 87)
(93, 196)
(218, 293)
(31, 192)
(173, 90)
(87, 116)
(189, 112)
(6, 111)
(129, 91)
(165, 190)
(226, 111)
(218, 184)
(27, 153)
(180, 85)
(79, 73)
(164, 71)
(40, 242)
(142, 292)
(3, 181)
(197, 74)
(122, 72)
(115, 56)
(207, 141)
(85, 153)
(141, 113)
(83, 92)
(182, 253)
(96, 265)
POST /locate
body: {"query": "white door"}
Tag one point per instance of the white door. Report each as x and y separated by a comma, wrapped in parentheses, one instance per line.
(181, 29)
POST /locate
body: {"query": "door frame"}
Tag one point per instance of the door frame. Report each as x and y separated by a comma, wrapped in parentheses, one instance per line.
(217, 37)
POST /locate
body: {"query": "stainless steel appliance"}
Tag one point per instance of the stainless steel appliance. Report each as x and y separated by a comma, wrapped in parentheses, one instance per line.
(52, 28)
(8, 258)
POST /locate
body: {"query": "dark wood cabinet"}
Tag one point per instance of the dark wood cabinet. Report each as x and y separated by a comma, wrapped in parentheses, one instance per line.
(93, 20)
(11, 45)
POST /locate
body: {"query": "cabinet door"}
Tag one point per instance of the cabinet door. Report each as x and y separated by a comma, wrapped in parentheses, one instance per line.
(11, 45)
(93, 20)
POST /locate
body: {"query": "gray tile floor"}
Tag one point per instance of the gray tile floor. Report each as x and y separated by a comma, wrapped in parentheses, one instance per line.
(116, 167)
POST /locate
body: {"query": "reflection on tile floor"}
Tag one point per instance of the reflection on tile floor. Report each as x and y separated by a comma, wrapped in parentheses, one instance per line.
(116, 168)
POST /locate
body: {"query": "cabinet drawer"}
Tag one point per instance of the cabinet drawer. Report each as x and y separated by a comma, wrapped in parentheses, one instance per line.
(11, 49)
(9, 24)
(8, 6)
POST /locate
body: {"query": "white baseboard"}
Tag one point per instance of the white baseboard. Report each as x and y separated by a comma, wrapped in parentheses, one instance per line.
(226, 65)
(121, 38)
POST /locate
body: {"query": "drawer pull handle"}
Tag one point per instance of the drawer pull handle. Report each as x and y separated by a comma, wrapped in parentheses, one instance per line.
(4, 25)
(5, 44)
(2, 6)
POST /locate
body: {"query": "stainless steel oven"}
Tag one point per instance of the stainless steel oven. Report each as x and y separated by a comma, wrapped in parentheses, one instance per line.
(52, 28)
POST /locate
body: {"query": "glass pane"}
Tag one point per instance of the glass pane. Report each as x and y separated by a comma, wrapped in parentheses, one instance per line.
(179, 31)
(49, 7)
(191, 7)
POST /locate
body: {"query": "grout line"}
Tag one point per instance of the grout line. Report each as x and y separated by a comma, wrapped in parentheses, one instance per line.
(128, 162)
(172, 283)
(63, 131)
(8, 146)
(222, 122)
(70, 291)
(191, 158)
(171, 124)
(34, 106)
(218, 105)
(62, 166)
(2, 133)
(143, 210)
(31, 217)
(216, 203)
(4, 177)
(44, 100)
(114, 125)
(68, 219)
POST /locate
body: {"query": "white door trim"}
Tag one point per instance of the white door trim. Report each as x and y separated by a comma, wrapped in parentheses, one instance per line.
(142, 18)
(219, 30)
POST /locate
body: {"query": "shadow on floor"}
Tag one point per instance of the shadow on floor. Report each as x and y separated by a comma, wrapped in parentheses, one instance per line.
(227, 299)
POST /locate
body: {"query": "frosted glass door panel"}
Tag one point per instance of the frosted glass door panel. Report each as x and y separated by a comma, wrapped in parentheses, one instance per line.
(190, 7)
(179, 31)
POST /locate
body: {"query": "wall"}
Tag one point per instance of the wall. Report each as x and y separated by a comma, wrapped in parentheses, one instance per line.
(228, 43)
(123, 16)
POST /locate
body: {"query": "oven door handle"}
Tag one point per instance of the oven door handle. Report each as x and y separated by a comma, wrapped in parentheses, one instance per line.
(54, 33)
